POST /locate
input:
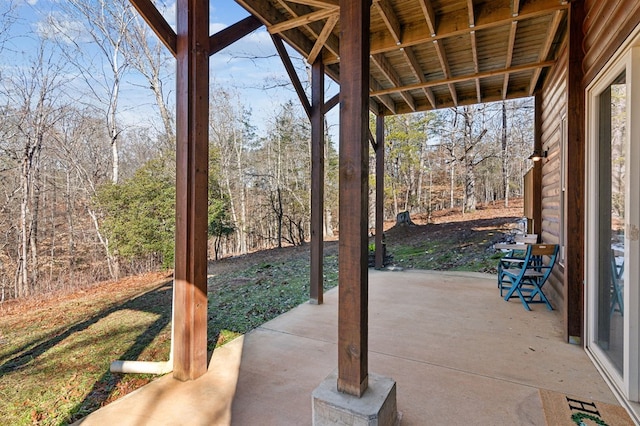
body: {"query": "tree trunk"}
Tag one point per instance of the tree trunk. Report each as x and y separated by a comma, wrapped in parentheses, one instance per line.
(505, 170)
(452, 185)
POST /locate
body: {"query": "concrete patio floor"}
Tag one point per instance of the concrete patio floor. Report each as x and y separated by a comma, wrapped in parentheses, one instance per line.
(460, 355)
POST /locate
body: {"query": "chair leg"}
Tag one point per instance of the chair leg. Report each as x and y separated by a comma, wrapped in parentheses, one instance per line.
(515, 288)
(537, 290)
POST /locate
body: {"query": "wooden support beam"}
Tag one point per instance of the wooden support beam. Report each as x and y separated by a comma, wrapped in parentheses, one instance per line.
(410, 57)
(270, 15)
(291, 71)
(235, 32)
(472, 14)
(444, 63)
(462, 78)
(385, 67)
(322, 38)
(419, 32)
(317, 3)
(300, 21)
(192, 152)
(476, 65)
(515, 11)
(158, 24)
(429, 16)
(317, 181)
(379, 192)
(372, 141)
(574, 257)
(390, 19)
(510, 47)
(384, 99)
(328, 106)
(314, 29)
(537, 167)
(544, 52)
(353, 345)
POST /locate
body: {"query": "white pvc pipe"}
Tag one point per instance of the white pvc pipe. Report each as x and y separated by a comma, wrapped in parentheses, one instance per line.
(142, 367)
(148, 367)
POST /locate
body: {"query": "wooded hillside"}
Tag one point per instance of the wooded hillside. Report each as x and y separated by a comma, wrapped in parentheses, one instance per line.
(88, 194)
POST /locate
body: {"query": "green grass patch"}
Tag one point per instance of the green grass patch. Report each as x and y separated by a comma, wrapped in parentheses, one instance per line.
(54, 363)
(244, 300)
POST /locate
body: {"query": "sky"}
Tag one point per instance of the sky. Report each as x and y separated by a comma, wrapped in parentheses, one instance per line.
(249, 66)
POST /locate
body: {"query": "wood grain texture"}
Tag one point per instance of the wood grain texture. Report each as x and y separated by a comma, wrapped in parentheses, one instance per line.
(192, 150)
(353, 191)
(317, 181)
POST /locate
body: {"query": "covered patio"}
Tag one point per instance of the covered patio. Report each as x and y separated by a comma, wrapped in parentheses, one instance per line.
(458, 353)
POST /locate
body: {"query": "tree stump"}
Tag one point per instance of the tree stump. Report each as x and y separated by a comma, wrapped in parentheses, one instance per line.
(403, 218)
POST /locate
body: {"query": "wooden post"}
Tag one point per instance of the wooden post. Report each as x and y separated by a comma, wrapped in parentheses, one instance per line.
(317, 180)
(354, 170)
(536, 201)
(574, 257)
(379, 191)
(190, 304)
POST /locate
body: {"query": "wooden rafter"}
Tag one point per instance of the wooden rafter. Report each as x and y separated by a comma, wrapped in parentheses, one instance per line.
(303, 20)
(419, 32)
(384, 98)
(460, 79)
(510, 46)
(158, 24)
(230, 35)
(317, 3)
(385, 67)
(322, 38)
(269, 15)
(444, 63)
(390, 19)
(296, 9)
(429, 16)
(515, 8)
(471, 13)
(476, 65)
(412, 34)
(544, 52)
(418, 73)
(288, 65)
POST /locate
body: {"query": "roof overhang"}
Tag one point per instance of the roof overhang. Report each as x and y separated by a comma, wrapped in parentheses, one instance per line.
(431, 54)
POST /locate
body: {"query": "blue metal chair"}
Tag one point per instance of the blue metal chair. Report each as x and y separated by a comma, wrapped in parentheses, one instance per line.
(516, 255)
(617, 298)
(525, 278)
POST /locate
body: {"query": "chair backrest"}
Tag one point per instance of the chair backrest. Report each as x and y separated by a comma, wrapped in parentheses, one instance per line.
(550, 250)
(538, 252)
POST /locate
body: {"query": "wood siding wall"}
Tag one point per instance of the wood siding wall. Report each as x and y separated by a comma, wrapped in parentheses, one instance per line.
(554, 108)
(606, 26)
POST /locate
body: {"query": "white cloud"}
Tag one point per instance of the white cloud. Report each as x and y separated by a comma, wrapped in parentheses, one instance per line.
(58, 26)
(214, 27)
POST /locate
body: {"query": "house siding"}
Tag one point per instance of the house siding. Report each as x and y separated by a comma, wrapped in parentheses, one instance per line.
(606, 25)
(554, 107)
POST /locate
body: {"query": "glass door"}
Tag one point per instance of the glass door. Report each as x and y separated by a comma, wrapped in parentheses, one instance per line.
(609, 302)
(612, 268)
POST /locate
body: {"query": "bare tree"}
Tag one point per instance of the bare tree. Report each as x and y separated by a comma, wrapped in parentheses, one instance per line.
(35, 93)
(103, 24)
(150, 58)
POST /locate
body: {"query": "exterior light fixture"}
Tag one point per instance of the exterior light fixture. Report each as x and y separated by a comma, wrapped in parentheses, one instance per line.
(538, 155)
